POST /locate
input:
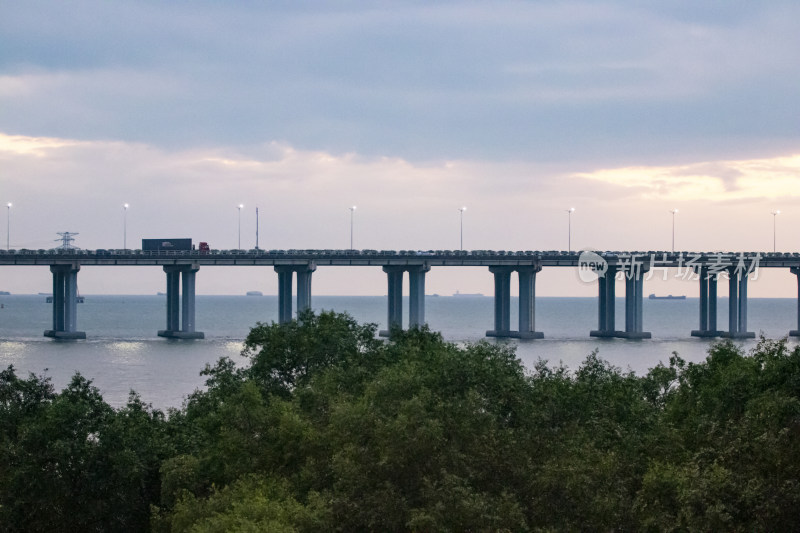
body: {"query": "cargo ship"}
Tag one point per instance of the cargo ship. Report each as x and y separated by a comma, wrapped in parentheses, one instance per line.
(474, 294)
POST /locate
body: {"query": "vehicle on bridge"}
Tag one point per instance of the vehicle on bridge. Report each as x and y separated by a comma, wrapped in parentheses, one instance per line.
(166, 245)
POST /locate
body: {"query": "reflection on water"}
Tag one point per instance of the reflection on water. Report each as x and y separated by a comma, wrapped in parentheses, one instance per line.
(126, 352)
(13, 352)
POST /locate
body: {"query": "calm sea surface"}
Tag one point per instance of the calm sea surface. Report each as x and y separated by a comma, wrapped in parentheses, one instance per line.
(122, 352)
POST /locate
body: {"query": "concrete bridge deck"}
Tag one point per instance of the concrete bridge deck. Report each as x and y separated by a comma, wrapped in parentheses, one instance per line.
(485, 258)
(181, 269)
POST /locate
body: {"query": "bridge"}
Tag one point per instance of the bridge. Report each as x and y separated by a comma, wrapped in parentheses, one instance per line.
(181, 268)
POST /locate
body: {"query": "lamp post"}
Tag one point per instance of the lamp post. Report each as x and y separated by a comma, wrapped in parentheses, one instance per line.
(352, 211)
(673, 229)
(774, 216)
(125, 226)
(240, 207)
(8, 226)
(461, 211)
(569, 228)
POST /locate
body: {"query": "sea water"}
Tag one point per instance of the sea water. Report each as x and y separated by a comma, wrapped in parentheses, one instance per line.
(123, 353)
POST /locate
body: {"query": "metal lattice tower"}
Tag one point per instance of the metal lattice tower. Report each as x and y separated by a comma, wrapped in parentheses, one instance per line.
(66, 240)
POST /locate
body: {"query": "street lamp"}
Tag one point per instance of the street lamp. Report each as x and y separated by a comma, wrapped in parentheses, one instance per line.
(240, 207)
(125, 226)
(569, 228)
(774, 216)
(352, 210)
(8, 226)
(673, 229)
(462, 226)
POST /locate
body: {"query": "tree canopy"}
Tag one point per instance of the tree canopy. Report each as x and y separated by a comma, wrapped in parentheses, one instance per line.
(327, 428)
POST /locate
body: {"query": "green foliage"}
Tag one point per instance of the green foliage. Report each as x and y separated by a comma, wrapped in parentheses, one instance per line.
(285, 356)
(252, 503)
(734, 459)
(438, 417)
(72, 463)
(329, 429)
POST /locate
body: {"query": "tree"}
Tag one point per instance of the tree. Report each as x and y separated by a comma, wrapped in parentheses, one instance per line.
(72, 463)
(331, 429)
(285, 356)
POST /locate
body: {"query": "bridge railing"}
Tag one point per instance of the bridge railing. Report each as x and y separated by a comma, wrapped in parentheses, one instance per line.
(769, 257)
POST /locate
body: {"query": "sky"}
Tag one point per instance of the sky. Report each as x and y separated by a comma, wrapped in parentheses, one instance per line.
(519, 111)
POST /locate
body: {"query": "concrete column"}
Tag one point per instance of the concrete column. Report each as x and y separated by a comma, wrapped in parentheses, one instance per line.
(304, 287)
(181, 303)
(733, 304)
(606, 304)
(639, 295)
(708, 305)
(634, 302)
(742, 324)
(703, 298)
(58, 299)
(630, 304)
(394, 275)
(416, 299)
(712, 305)
(796, 332)
(611, 299)
(527, 303)
(65, 303)
(284, 293)
(737, 307)
(187, 297)
(502, 301)
(601, 303)
(70, 300)
(173, 298)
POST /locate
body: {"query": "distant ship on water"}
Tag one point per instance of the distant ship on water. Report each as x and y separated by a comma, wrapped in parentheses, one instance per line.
(667, 297)
(255, 293)
(473, 294)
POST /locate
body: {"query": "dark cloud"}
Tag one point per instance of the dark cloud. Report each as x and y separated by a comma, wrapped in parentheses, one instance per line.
(604, 83)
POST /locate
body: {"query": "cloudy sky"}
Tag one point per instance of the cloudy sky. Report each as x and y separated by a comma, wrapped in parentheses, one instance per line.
(408, 110)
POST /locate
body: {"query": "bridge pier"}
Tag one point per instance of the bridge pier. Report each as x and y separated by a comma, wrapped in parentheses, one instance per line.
(502, 302)
(606, 301)
(394, 275)
(634, 301)
(304, 288)
(737, 306)
(708, 305)
(285, 273)
(284, 293)
(796, 332)
(527, 302)
(181, 303)
(65, 303)
(416, 296)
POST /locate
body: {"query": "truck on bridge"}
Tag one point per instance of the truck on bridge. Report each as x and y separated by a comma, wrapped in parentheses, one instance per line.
(172, 245)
